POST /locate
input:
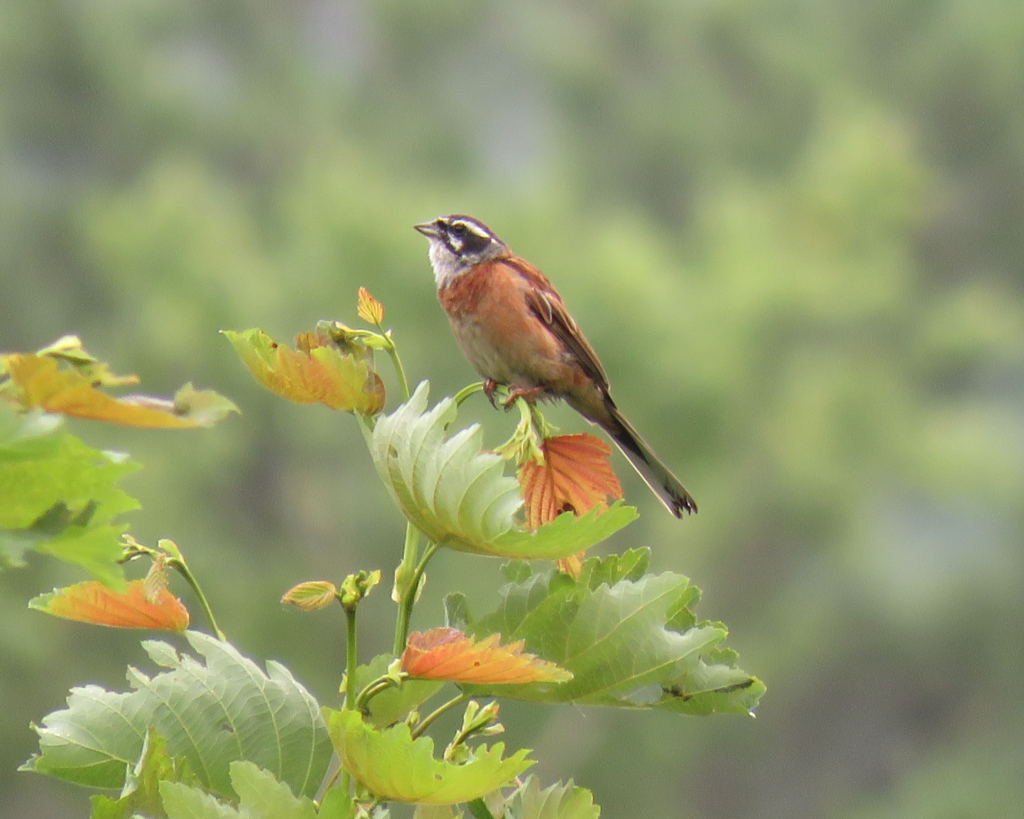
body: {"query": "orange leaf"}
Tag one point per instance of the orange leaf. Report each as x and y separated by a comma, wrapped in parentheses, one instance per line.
(448, 654)
(576, 476)
(369, 309)
(41, 382)
(92, 602)
(318, 372)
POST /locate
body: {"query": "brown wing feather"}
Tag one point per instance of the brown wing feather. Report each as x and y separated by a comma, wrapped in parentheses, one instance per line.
(548, 306)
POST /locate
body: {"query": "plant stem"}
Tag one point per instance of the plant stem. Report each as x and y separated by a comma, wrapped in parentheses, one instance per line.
(427, 720)
(404, 587)
(374, 688)
(396, 361)
(466, 392)
(182, 568)
(351, 657)
(407, 602)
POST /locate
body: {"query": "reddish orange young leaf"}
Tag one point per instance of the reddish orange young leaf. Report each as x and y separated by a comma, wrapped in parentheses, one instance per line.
(448, 654)
(369, 309)
(318, 372)
(41, 382)
(575, 477)
(92, 602)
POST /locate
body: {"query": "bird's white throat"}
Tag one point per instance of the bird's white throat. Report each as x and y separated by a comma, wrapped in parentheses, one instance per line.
(445, 263)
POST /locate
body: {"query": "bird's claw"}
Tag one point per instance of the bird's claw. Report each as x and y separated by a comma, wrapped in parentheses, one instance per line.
(490, 385)
(529, 394)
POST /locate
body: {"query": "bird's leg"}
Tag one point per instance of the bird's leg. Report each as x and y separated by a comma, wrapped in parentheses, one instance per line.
(490, 385)
(529, 394)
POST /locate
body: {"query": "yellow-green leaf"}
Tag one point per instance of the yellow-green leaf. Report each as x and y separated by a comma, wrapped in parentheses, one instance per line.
(393, 765)
(40, 382)
(316, 374)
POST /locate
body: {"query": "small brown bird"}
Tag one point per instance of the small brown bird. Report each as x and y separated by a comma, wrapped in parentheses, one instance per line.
(513, 327)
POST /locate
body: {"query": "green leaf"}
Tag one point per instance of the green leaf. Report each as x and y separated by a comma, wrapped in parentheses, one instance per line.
(337, 804)
(557, 801)
(634, 643)
(456, 611)
(392, 704)
(141, 792)
(457, 494)
(59, 496)
(566, 535)
(630, 565)
(264, 796)
(95, 548)
(393, 765)
(184, 802)
(210, 714)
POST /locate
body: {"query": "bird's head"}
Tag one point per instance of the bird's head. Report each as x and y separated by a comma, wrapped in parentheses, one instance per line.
(457, 243)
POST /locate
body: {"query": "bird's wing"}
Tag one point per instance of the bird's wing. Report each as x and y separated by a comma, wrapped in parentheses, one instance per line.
(548, 306)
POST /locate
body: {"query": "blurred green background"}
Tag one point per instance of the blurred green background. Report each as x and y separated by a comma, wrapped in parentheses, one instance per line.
(791, 229)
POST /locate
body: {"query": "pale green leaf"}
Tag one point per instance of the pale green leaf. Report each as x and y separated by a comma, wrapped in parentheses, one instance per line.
(392, 765)
(265, 796)
(260, 796)
(210, 714)
(141, 791)
(457, 494)
(456, 611)
(185, 802)
(557, 801)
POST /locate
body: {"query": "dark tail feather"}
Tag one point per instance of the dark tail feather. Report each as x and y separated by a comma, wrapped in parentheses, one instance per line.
(655, 474)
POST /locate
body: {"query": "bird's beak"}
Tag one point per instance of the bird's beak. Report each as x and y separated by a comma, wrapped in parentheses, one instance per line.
(429, 229)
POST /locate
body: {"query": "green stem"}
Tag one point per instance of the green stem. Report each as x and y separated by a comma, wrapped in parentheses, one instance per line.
(412, 536)
(407, 602)
(182, 568)
(427, 720)
(396, 361)
(540, 423)
(405, 584)
(374, 688)
(466, 392)
(351, 657)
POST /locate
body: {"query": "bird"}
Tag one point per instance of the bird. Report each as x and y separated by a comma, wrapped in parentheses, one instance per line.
(515, 330)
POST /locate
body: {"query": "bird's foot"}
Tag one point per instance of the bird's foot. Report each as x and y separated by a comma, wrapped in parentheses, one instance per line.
(490, 385)
(529, 394)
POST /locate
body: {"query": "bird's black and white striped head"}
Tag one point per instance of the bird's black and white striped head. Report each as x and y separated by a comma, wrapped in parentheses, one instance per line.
(457, 243)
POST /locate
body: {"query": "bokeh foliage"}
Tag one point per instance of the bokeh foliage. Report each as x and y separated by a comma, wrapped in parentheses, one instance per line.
(790, 229)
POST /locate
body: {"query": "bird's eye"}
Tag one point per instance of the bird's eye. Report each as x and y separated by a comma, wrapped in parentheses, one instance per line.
(459, 229)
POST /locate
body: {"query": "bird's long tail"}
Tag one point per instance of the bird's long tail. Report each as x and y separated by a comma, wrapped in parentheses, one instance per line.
(655, 474)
